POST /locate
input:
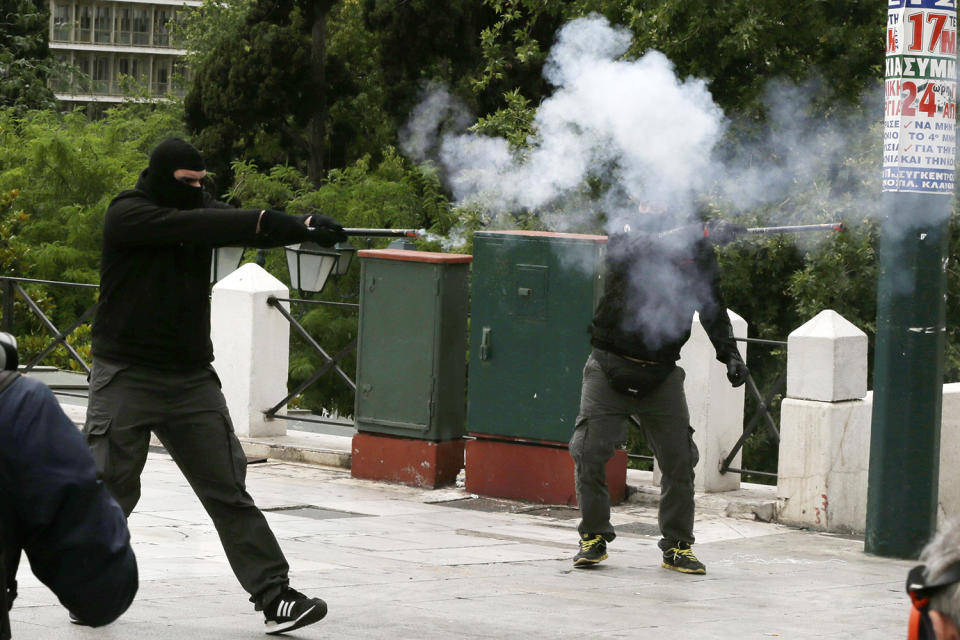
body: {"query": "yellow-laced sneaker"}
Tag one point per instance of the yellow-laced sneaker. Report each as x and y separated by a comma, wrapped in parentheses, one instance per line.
(593, 549)
(680, 558)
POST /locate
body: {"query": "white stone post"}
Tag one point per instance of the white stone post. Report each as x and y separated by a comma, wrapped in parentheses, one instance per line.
(949, 492)
(825, 427)
(251, 343)
(716, 408)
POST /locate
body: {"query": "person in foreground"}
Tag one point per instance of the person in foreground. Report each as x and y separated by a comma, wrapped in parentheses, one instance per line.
(654, 283)
(152, 357)
(934, 588)
(53, 508)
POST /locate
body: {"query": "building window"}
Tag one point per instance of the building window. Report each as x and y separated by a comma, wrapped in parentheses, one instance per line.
(180, 78)
(101, 24)
(161, 35)
(62, 22)
(121, 25)
(82, 81)
(60, 82)
(141, 26)
(176, 37)
(161, 75)
(100, 78)
(84, 23)
(130, 68)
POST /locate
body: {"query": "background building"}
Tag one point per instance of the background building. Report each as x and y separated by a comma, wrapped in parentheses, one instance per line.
(108, 40)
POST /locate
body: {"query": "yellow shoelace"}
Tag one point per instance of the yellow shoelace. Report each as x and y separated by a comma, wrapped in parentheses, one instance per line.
(587, 544)
(688, 553)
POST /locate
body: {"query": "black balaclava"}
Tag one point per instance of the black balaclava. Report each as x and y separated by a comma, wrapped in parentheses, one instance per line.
(157, 179)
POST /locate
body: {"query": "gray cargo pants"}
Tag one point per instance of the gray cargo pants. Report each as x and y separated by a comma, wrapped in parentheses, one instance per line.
(601, 427)
(187, 411)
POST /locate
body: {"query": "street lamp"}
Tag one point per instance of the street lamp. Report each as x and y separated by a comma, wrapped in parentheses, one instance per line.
(346, 251)
(310, 265)
(225, 261)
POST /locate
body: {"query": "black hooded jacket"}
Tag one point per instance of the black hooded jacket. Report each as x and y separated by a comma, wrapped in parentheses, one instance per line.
(654, 283)
(155, 266)
(55, 510)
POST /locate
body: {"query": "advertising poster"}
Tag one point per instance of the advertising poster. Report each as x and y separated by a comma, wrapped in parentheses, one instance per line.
(920, 96)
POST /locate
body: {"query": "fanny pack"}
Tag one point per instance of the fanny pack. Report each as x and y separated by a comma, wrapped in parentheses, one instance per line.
(632, 378)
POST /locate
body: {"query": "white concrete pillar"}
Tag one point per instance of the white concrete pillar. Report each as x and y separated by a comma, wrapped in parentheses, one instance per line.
(949, 493)
(251, 344)
(716, 408)
(825, 427)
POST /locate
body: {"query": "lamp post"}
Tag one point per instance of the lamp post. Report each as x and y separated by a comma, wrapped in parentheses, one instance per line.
(225, 261)
(310, 265)
(346, 251)
(918, 181)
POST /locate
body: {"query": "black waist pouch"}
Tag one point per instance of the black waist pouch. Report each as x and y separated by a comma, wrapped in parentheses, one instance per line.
(635, 379)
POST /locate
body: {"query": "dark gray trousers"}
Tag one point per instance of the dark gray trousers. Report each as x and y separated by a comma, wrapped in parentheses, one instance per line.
(602, 427)
(187, 411)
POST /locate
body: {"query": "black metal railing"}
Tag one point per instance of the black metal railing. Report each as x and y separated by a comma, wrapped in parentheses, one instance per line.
(12, 287)
(330, 363)
(761, 414)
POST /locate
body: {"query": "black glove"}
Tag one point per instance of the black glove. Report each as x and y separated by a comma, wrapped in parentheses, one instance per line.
(721, 232)
(737, 371)
(281, 228)
(325, 231)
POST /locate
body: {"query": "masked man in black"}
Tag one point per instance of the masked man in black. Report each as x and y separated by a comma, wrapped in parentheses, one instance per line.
(152, 353)
(53, 508)
(653, 285)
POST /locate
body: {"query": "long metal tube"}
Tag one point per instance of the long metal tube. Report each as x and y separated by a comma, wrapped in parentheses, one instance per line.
(798, 228)
(382, 233)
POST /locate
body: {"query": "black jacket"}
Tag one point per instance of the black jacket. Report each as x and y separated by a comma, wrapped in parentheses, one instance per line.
(652, 287)
(53, 508)
(155, 278)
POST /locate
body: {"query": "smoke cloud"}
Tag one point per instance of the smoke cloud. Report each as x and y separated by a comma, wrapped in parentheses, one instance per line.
(642, 137)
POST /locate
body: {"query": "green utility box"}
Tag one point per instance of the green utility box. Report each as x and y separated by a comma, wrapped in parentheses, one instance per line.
(533, 298)
(411, 344)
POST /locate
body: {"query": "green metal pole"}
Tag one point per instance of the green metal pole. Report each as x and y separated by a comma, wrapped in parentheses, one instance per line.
(908, 377)
(919, 150)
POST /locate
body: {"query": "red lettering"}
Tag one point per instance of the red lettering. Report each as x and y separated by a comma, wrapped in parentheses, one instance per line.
(911, 89)
(928, 103)
(916, 41)
(948, 43)
(891, 40)
(937, 19)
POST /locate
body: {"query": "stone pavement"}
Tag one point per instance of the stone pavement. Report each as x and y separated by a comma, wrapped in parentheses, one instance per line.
(404, 563)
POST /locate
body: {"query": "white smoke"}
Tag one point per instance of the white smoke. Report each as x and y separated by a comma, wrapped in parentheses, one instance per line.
(646, 137)
(436, 115)
(631, 123)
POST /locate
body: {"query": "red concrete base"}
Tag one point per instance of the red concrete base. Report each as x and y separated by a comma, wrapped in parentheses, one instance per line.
(419, 463)
(533, 472)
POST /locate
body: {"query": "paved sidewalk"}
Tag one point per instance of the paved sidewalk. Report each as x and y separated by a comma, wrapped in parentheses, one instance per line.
(403, 563)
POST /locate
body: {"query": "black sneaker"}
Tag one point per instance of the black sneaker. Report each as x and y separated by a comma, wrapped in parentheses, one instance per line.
(680, 558)
(593, 549)
(292, 610)
(75, 620)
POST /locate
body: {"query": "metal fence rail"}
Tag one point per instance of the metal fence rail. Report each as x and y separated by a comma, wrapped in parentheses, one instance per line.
(12, 287)
(761, 414)
(329, 362)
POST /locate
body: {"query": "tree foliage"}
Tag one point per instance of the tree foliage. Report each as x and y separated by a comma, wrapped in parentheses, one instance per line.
(25, 61)
(58, 173)
(390, 194)
(275, 82)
